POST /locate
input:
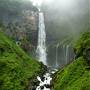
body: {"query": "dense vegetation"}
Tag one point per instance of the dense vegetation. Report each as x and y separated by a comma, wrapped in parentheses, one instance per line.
(76, 76)
(16, 67)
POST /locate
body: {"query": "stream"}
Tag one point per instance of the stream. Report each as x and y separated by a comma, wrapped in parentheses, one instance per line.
(41, 54)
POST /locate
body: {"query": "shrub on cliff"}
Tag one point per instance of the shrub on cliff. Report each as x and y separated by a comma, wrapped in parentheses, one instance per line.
(82, 46)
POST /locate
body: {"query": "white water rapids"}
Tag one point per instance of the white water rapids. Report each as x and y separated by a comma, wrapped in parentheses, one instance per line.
(44, 84)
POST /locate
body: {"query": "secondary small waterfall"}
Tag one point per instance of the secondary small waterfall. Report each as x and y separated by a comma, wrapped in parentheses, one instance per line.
(67, 54)
(41, 47)
(57, 55)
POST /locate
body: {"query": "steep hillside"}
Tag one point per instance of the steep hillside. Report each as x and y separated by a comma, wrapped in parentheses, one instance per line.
(76, 76)
(16, 67)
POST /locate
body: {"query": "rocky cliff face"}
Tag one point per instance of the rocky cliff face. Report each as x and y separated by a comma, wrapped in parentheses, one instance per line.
(20, 19)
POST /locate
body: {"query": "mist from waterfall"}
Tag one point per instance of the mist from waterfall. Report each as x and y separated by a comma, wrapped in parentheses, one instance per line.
(41, 47)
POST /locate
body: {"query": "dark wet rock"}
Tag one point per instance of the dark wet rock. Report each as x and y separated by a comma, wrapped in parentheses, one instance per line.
(46, 78)
(42, 87)
(34, 81)
(32, 88)
(44, 68)
(33, 84)
(47, 86)
(42, 78)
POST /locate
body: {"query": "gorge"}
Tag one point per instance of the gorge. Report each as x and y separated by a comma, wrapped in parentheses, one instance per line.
(44, 45)
(41, 55)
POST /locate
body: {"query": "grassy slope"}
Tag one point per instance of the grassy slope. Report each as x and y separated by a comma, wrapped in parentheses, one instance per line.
(75, 76)
(16, 67)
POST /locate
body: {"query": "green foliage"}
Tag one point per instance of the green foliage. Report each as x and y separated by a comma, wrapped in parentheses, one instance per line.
(75, 76)
(82, 44)
(16, 67)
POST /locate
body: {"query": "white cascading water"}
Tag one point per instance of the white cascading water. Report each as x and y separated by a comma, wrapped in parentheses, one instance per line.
(47, 80)
(57, 55)
(41, 54)
(67, 53)
(41, 47)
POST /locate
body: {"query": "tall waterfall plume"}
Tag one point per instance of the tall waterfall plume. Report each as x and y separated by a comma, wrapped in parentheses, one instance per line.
(41, 47)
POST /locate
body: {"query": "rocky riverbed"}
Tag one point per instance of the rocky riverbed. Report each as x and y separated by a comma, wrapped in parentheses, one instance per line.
(42, 81)
(45, 81)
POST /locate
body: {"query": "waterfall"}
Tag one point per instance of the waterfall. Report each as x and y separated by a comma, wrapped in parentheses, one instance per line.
(64, 54)
(67, 53)
(57, 55)
(41, 47)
